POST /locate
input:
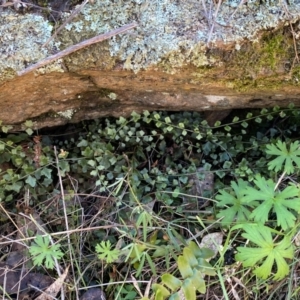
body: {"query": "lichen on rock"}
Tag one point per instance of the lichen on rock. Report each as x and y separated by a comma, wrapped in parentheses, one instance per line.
(172, 34)
(21, 40)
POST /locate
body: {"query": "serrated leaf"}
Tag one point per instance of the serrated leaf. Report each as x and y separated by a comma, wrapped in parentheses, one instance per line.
(44, 253)
(286, 158)
(237, 206)
(279, 202)
(106, 253)
(273, 252)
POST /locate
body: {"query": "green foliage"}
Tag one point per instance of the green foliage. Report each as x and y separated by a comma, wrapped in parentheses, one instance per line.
(106, 253)
(139, 167)
(266, 253)
(255, 203)
(282, 203)
(193, 266)
(28, 127)
(286, 158)
(126, 292)
(5, 128)
(43, 253)
(238, 208)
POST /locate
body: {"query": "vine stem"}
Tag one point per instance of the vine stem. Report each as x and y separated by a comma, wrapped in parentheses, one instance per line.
(71, 49)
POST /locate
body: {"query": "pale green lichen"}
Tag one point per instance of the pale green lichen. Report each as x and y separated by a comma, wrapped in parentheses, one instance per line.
(174, 33)
(21, 40)
(67, 114)
(170, 34)
(112, 96)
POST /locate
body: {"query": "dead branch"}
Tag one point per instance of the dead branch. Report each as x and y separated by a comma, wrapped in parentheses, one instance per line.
(71, 49)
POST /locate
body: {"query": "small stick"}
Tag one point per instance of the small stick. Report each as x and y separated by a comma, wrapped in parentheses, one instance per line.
(213, 23)
(66, 22)
(71, 49)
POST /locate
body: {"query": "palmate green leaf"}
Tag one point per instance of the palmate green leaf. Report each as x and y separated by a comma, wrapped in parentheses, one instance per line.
(282, 203)
(237, 206)
(286, 158)
(106, 253)
(273, 252)
(44, 253)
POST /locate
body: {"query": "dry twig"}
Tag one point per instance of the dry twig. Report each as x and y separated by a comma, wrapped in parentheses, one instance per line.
(71, 49)
(75, 13)
(213, 22)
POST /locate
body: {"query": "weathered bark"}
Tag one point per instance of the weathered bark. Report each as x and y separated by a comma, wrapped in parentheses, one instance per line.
(94, 83)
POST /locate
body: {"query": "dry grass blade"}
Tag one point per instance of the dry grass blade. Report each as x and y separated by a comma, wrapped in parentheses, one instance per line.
(51, 292)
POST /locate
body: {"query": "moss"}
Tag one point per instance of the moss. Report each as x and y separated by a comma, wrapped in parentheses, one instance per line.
(95, 56)
(273, 51)
(7, 74)
(259, 64)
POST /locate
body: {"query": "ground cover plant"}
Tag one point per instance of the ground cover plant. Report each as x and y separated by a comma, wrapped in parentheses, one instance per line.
(111, 205)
